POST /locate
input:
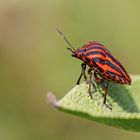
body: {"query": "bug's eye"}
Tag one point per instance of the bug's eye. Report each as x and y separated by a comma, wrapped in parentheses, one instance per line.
(82, 54)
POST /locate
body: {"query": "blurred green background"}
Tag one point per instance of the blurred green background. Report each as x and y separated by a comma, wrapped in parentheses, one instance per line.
(34, 60)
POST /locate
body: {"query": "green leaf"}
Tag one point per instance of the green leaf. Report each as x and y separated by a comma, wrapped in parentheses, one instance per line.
(121, 109)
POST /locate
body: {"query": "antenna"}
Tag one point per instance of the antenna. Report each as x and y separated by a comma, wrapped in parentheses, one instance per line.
(64, 37)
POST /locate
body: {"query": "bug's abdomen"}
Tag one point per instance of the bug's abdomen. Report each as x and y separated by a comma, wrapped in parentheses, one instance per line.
(111, 72)
(110, 76)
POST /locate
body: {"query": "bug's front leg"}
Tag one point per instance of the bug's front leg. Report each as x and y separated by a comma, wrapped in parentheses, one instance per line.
(82, 73)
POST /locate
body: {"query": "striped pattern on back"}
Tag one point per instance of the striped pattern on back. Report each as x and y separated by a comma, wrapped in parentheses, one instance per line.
(106, 64)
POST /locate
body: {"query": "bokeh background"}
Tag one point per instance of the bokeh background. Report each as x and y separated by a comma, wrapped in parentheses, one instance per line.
(34, 60)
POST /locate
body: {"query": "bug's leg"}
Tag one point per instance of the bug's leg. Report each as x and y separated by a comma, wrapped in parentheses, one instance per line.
(104, 83)
(90, 79)
(82, 73)
(105, 89)
(98, 80)
(93, 86)
(90, 82)
(85, 77)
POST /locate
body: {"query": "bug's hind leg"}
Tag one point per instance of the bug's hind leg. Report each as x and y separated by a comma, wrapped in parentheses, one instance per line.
(105, 84)
(82, 73)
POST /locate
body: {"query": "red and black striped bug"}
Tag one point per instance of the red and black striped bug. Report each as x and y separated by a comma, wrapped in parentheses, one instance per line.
(100, 60)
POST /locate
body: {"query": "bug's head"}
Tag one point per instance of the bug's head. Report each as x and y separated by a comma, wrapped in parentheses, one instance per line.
(79, 53)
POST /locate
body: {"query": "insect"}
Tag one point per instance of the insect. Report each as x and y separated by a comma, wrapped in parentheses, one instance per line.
(100, 60)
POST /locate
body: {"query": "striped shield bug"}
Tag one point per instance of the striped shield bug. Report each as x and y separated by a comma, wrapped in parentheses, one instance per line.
(100, 60)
